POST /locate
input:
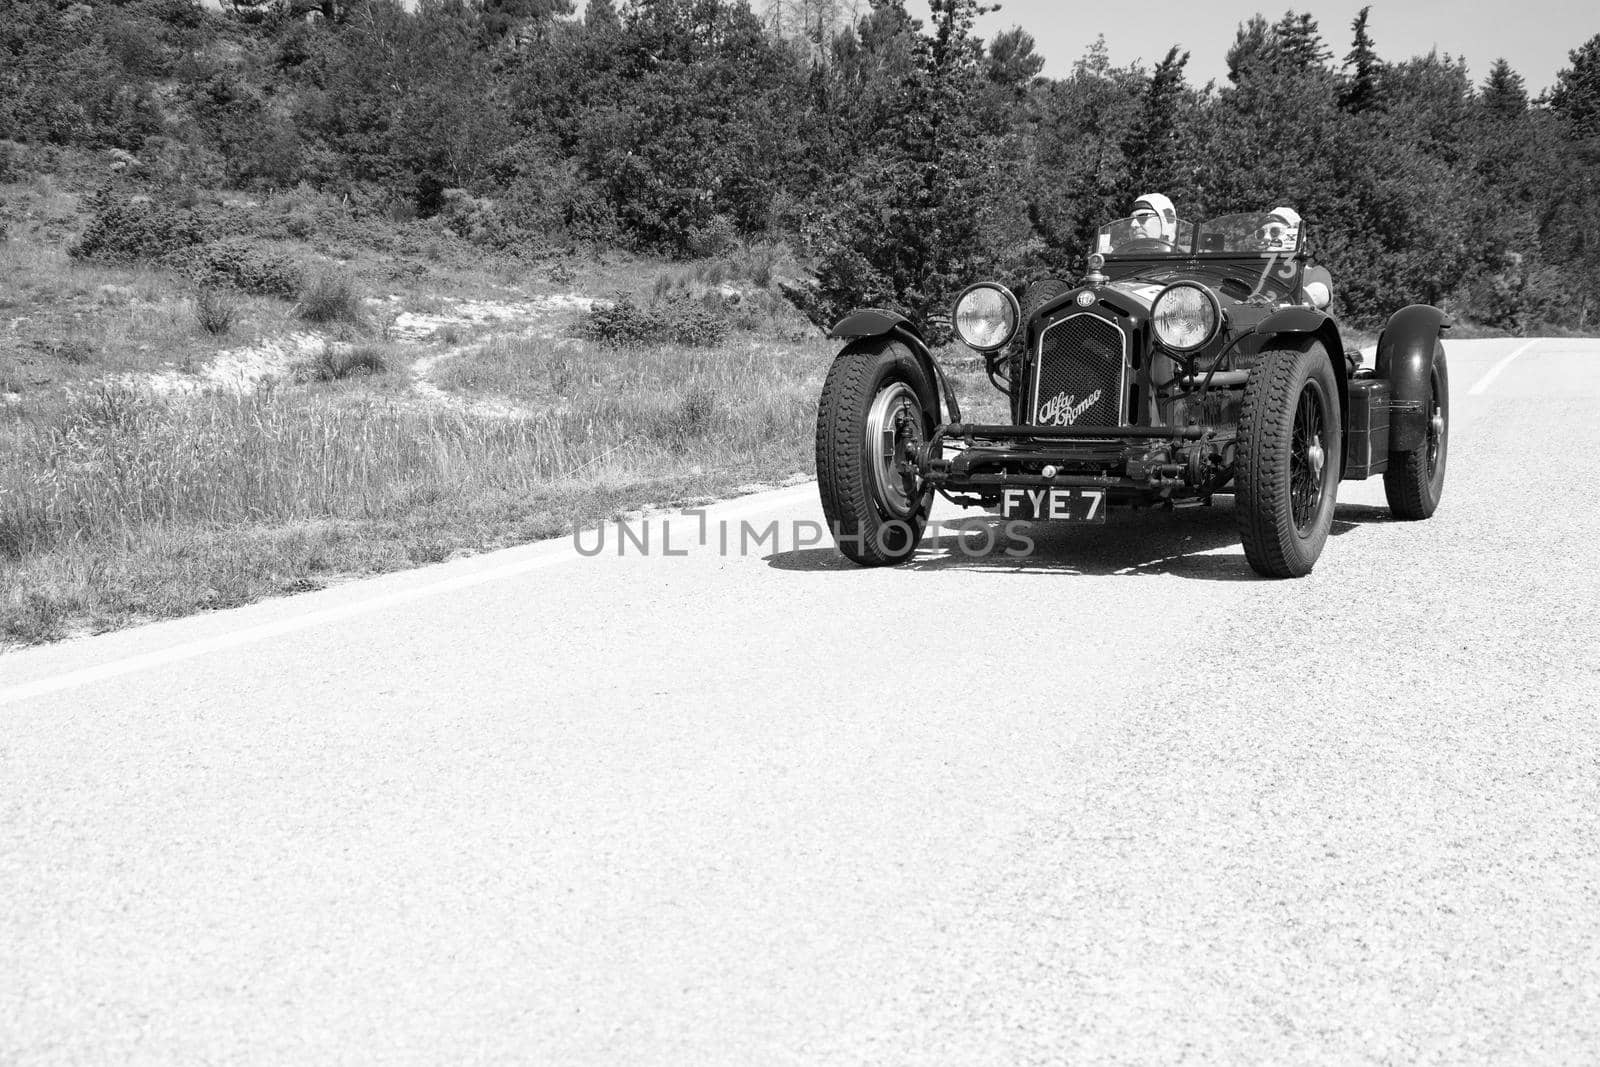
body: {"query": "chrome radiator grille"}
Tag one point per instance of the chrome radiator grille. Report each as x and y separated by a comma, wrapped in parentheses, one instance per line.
(1079, 377)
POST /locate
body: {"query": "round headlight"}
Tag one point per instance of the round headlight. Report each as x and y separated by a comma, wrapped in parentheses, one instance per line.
(986, 316)
(1186, 316)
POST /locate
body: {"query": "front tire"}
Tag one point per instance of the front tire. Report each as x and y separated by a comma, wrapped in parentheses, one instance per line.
(1289, 449)
(876, 408)
(1414, 481)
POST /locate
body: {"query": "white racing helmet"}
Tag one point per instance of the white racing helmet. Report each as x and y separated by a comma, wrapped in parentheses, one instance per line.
(1281, 233)
(1155, 215)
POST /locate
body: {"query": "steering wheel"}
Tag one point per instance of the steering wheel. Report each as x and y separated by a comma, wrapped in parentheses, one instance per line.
(1147, 244)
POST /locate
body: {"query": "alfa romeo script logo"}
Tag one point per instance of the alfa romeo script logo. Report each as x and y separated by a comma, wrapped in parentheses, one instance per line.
(1064, 408)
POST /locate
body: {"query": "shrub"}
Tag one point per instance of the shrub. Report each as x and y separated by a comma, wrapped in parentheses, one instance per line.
(236, 264)
(332, 363)
(13, 161)
(215, 309)
(690, 420)
(717, 236)
(122, 229)
(67, 350)
(331, 296)
(679, 319)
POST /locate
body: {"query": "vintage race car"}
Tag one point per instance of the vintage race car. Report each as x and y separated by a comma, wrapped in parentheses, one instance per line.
(1179, 368)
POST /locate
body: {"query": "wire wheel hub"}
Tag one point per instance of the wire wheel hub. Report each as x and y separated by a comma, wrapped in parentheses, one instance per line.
(894, 433)
(1308, 457)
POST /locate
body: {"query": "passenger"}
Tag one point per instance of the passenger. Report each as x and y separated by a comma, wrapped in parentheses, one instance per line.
(1281, 233)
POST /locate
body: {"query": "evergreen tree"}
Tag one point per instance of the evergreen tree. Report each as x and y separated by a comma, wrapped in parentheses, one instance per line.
(1299, 43)
(1572, 208)
(1577, 92)
(1291, 45)
(1504, 92)
(1012, 64)
(1253, 44)
(601, 14)
(1360, 92)
(1081, 178)
(1153, 146)
(916, 224)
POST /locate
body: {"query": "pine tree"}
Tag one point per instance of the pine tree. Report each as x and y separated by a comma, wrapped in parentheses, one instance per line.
(601, 14)
(916, 225)
(1152, 147)
(1300, 46)
(1567, 227)
(501, 17)
(1012, 62)
(1360, 93)
(1504, 93)
(1577, 93)
(1253, 44)
(1292, 45)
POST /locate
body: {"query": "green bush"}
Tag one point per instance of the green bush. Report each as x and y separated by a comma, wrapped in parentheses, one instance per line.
(13, 161)
(690, 419)
(215, 310)
(122, 229)
(238, 265)
(67, 349)
(679, 320)
(331, 296)
(333, 363)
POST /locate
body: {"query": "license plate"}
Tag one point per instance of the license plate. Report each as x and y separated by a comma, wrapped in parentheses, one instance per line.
(1061, 505)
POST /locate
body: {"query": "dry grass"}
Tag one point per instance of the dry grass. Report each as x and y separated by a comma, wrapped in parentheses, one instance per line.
(115, 508)
(108, 493)
(216, 310)
(68, 323)
(333, 363)
(331, 296)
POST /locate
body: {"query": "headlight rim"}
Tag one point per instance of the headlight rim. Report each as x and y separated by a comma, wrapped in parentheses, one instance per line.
(1216, 316)
(1011, 301)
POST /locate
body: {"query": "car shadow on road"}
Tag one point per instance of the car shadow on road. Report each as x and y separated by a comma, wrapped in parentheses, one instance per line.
(1197, 543)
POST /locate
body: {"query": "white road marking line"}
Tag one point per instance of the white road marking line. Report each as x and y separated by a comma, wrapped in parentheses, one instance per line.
(251, 634)
(1494, 371)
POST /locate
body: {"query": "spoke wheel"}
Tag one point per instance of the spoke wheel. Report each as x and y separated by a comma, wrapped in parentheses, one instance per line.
(1307, 456)
(1435, 425)
(1287, 470)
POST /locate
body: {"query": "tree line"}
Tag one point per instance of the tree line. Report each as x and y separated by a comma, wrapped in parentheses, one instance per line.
(902, 158)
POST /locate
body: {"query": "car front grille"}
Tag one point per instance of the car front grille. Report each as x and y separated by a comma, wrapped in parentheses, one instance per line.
(1079, 377)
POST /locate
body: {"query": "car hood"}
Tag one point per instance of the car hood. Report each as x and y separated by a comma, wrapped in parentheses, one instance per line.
(1234, 282)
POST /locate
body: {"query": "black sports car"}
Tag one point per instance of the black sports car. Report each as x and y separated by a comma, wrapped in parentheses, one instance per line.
(1180, 367)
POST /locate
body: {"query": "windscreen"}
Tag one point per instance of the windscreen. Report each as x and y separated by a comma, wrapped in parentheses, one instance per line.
(1145, 235)
(1249, 232)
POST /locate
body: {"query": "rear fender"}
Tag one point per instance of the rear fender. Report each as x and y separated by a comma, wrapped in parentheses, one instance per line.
(870, 323)
(1405, 358)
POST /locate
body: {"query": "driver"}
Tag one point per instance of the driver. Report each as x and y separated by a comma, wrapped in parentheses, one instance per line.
(1155, 218)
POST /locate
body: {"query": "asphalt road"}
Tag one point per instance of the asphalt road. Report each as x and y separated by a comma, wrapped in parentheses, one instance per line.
(1116, 802)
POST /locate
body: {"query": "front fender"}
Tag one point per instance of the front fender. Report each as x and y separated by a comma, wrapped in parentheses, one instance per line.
(1306, 321)
(1405, 358)
(866, 323)
(872, 322)
(1296, 320)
